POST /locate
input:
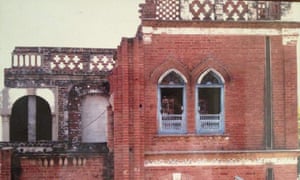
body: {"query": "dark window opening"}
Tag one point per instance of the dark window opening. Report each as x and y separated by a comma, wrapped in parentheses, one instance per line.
(18, 121)
(209, 100)
(171, 100)
(270, 174)
(210, 116)
(43, 120)
(171, 104)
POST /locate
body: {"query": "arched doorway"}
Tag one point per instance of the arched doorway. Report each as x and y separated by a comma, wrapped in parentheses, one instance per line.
(30, 120)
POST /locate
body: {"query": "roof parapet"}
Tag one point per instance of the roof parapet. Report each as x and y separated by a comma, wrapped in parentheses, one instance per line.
(214, 10)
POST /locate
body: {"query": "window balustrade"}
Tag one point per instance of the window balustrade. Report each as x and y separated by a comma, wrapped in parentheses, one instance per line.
(172, 123)
(210, 123)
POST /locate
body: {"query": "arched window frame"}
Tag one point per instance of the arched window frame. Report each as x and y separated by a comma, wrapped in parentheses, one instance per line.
(210, 123)
(174, 125)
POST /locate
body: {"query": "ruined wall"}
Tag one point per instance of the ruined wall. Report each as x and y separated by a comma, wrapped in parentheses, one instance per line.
(30, 163)
(69, 168)
(5, 164)
(53, 74)
(63, 77)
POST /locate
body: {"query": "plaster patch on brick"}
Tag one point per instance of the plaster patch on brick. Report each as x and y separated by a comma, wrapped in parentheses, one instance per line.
(218, 162)
(176, 176)
(290, 36)
(291, 40)
(147, 38)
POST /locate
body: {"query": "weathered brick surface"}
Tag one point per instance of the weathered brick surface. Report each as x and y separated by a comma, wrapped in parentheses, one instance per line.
(32, 169)
(192, 55)
(5, 164)
(240, 59)
(221, 173)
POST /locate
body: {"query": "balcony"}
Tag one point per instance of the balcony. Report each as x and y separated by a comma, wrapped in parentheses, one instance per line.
(214, 10)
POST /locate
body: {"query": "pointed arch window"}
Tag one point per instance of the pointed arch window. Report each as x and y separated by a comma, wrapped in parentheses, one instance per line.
(210, 103)
(171, 103)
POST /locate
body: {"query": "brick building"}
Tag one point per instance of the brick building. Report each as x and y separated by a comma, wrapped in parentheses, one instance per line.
(205, 90)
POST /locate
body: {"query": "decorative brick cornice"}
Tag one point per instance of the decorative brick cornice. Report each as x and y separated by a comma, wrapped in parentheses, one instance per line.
(221, 24)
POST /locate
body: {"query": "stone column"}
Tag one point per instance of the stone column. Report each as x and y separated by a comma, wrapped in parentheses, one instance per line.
(5, 115)
(31, 118)
(5, 128)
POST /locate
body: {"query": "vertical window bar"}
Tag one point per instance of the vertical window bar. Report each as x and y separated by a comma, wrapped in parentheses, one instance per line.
(31, 118)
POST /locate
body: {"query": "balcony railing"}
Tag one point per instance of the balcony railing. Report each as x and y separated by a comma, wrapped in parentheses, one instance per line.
(211, 10)
(172, 123)
(63, 60)
(210, 123)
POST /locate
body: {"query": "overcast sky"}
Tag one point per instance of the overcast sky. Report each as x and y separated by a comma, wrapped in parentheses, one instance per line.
(64, 23)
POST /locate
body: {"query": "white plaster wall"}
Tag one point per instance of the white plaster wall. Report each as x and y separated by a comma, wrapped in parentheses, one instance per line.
(94, 119)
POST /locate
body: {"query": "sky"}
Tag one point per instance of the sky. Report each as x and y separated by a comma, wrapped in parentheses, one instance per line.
(64, 23)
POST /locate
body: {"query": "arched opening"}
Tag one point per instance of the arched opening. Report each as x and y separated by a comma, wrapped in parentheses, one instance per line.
(30, 120)
(19, 120)
(94, 118)
(171, 103)
(210, 103)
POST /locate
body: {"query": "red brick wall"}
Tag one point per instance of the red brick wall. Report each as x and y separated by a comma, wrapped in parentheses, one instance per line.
(290, 94)
(221, 172)
(129, 96)
(239, 59)
(35, 169)
(5, 164)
